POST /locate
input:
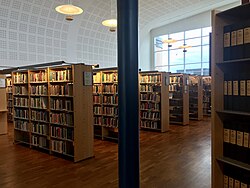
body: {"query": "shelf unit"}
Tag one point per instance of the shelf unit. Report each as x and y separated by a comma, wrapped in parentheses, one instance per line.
(3, 106)
(206, 95)
(195, 97)
(49, 105)
(9, 97)
(230, 107)
(105, 100)
(154, 106)
(178, 99)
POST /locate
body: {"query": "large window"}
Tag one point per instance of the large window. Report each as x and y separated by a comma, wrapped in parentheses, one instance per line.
(194, 60)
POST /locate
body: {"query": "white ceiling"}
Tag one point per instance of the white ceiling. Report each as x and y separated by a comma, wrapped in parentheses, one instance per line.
(32, 32)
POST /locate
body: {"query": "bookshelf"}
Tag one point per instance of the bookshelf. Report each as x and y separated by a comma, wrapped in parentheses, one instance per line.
(230, 106)
(9, 97)
(154, 113)
(179, 99)
(105, 99)
(206, 95)
(3, 106)
(195, 97)
(48, 110)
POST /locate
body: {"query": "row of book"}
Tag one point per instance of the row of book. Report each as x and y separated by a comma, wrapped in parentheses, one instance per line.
(61, 119)
(62, 133)
(97, 110)
(97, 99)
(98, 120)
(8, 82)
(40, 128)
(110, 89)
(62, 147)
(150, 115)
(39, 141)
(175, 95)
(146, 88)
(97, 88)
(18, 101)
(176, 102)
(109, 77)
(9, 89)
(39, 90)
(176, 109)
(39, 116)
(38, 77)
(236, 41)
(175, 79)
(110, 99)
(9, 96)
(175, 87)
(150, 106)
(41, 102)
(110, 122)
(61, 104)
(155, 78)
(113, 111)
(20, 90)
(20, 78)
(150, 124)
(96, 77)
(150, 97)
(230, 182)
(21, 113)
(66, 89)
(236, 143)
(60, 75)
(21, 125)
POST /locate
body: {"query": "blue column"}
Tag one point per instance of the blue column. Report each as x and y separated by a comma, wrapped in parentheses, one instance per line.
(129, 170)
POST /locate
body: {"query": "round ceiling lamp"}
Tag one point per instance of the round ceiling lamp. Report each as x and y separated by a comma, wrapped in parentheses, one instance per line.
(169, 40)
(69, 9)
(111, 23)
(184, 47)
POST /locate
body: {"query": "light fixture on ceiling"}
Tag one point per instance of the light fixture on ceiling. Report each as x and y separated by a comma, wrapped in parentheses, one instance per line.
(69, 10)
(169, 41)
(184, 47)
(111, 23)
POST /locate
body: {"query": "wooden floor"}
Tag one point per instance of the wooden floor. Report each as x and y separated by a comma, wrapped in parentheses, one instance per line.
(179, 158)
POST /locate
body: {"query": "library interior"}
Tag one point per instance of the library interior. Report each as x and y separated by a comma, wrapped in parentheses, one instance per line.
(124, 93)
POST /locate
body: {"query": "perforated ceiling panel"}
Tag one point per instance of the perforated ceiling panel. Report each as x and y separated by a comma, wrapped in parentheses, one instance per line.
(31, 31)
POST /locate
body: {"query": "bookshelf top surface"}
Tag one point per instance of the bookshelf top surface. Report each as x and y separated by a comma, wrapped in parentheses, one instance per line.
(234, 163)
(241, 11)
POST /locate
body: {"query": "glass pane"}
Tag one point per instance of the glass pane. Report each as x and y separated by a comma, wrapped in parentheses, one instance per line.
(193, 42)
(205, 40)
(193, 55)
(161, 58)
(177, 36)
(206, 31)
(176, 68)
(157, 44)
(193, 68)
(163, 68)
(205, 68)
(176, 44)
(205, 53)
(176, 57)
(193, 33)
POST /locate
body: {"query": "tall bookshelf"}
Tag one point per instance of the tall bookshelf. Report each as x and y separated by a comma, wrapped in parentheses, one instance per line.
(3, 106)
(206, 95)
(195, 97)
(9, 97)
(105, 99)
(179, 99)
(154, 111)
(230, 107)
(49, 105)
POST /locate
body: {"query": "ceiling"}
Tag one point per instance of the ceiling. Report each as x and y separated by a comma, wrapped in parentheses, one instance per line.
(32, 32)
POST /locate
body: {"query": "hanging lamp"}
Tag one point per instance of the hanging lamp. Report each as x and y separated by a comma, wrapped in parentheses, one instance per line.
(111, 23)
(184, 47)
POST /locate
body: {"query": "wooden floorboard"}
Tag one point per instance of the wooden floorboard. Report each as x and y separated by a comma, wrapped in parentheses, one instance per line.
(180, 158)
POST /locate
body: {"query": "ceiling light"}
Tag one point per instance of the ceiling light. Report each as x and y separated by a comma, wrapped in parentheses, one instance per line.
(184, 47)
(69, 9)
(111, 23)
(169, 40)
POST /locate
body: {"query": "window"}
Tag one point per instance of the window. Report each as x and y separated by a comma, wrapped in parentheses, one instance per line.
(171, 58)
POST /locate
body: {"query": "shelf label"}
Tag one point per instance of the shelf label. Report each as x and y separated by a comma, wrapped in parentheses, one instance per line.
(233, 38)
(2, 82)
(242, 88)
(235, 88)
(232, 136)
(246, 140)
(240, 37)
(225, 87)
(226, 135)
(229, 87)
(247, 35)
(239, 138)
(227, 39)
(87, 79)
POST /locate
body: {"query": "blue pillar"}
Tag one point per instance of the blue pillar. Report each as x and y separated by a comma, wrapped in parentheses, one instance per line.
(129, 168)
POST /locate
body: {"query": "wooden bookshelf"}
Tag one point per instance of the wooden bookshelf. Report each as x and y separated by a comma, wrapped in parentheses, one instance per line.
(206, 95)
(154, 106)
(179, 99)
(3, 106)
(49, 105)
(230, 106)
(195, 97)
(9, 98)
(105, 99)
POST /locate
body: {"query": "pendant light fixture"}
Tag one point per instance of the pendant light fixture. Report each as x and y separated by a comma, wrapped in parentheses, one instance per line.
(184, 47)
(169, 41)
(111, 23)
(69, 10)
